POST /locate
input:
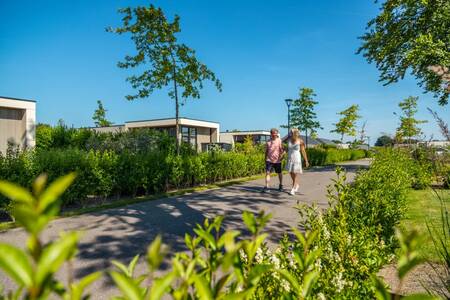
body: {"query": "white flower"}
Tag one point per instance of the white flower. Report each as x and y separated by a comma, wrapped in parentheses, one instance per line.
(259, 256)
(321, 296)
(326, 233)
(338, 282)
(318, 264)
(243, 255)
(275, 261)
(285, 285)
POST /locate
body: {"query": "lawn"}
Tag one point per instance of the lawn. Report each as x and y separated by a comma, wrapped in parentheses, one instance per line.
(424, 207)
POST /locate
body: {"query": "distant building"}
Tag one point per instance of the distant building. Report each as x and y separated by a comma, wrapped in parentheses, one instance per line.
(313, 142)
(17, 123)
(194, 132)
(238, 137)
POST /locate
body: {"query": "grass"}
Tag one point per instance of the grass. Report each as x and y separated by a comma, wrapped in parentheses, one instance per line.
(424, 207)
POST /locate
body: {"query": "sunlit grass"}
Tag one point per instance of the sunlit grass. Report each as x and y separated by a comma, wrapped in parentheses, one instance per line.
(425, 207)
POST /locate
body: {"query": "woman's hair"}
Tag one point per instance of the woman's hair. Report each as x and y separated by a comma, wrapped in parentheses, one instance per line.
(295, 135)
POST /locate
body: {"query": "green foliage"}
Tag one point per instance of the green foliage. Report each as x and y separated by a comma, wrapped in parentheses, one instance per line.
(411, 36)
(356, 234)
(33, 268)
(384, 141)
(302, 112)
(99, 116)
(163, 59)
(337, 257)
(408, 124)
(322, 157)
(347, 123)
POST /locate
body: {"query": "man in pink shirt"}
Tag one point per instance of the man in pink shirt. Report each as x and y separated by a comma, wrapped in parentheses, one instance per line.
(274, 155)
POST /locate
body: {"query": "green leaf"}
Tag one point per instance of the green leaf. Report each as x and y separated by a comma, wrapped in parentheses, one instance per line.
(27, 217)
(54, 255)
(406, 264)
(221, 284)
(291, 279)
(132, 265)
(207, 237)
(156, 253)
(16, 264)
(55, 190)
(161, 285)
(381, 293)
(39, 184)
(121, 267)
(250, 221)
(77, 289)
(202, 288)
(129, 289)
(308, 283)
(16, 192)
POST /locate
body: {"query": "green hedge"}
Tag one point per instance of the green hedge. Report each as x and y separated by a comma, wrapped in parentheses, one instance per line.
(322, 157)
(108, 173)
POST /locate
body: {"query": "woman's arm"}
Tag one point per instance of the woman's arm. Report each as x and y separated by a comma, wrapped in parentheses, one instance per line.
(303, 151)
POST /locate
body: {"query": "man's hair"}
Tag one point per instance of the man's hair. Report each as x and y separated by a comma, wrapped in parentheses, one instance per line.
(273, 130)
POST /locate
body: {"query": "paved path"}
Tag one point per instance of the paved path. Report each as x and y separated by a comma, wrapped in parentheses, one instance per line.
(123, 232)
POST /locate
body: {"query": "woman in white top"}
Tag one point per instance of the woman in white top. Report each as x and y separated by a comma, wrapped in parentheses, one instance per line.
(294, 160)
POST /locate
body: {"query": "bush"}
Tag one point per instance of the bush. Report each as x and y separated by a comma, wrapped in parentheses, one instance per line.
(356, 235)
(321, 157)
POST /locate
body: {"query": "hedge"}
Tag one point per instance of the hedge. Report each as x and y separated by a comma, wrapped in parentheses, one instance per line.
(131, 171)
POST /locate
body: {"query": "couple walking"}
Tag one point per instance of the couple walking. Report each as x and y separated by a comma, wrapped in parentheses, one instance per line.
(275, 153)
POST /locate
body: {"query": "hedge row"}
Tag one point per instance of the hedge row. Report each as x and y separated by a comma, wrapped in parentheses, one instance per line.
(128, 173)
(322, 157)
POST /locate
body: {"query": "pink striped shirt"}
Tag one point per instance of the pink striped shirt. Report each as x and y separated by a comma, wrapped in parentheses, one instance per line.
(274, 150)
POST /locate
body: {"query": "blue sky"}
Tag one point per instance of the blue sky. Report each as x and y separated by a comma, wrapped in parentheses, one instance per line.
(58, 53)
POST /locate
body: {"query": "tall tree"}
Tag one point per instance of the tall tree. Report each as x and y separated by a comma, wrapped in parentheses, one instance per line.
(164, 60)
(408, 127)
(411, 36)
(99, 116)
(347, 123)
(302, 112)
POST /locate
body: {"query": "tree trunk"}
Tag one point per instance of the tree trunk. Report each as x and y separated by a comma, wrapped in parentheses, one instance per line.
(342, 138)
(177, 107)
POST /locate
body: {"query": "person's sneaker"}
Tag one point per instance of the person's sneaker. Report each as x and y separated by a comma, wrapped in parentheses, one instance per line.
(265, 190)
(292, 192)
(280, 188)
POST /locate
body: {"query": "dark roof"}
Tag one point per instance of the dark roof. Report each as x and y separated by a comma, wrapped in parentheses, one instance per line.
(244, 131)
(20, 99)
(170, 119)
(312, 141)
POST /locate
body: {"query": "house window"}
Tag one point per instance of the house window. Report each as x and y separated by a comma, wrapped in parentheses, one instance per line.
(189, 135)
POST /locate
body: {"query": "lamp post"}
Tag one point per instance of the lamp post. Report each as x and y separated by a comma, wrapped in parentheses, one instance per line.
(288, 103)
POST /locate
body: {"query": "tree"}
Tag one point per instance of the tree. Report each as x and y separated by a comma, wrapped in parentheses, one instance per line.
(99, 116)
(347, 123)
(166, 61)
(408, 127)
(302, 113)
(384, 141)
(443, 126)
(411, 36)
(362, 134)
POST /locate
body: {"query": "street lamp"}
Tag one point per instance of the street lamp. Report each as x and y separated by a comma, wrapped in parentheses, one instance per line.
(288, 103)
